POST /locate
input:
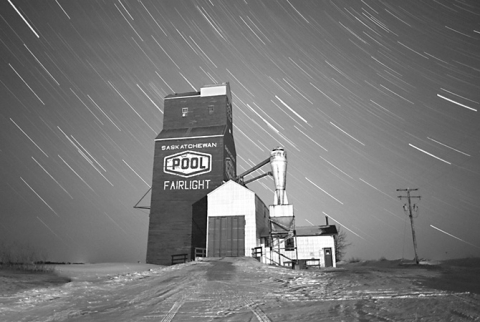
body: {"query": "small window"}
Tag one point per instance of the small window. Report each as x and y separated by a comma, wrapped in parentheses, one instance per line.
(184, 111)
(289, 244)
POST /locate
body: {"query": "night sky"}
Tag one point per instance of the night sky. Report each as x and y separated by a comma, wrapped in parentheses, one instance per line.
(365, 96)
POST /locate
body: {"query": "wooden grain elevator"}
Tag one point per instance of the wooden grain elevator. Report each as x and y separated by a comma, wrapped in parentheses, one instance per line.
(194, 154)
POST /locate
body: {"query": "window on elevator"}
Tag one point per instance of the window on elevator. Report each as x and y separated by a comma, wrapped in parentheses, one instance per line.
(289, 244)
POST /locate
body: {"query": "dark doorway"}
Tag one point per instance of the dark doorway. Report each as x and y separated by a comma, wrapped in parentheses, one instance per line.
(226, 236)
(328, 257)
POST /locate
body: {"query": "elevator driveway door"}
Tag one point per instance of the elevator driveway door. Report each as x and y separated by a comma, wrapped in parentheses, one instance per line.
(226, 236)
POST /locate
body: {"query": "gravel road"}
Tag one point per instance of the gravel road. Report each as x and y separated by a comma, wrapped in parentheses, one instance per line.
(241, 289)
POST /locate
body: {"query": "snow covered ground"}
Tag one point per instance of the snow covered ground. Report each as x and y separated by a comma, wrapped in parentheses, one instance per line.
(241, 289)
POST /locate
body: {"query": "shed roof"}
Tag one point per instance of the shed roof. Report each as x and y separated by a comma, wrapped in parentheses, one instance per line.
(323, 230)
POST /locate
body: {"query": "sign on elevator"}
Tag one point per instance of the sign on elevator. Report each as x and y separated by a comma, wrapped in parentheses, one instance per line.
(188, 164)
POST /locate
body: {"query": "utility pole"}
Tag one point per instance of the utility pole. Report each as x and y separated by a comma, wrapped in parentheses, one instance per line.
(411, 216)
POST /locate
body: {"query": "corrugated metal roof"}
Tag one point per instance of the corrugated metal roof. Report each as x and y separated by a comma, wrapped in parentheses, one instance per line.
(191, 132)
(316, 230)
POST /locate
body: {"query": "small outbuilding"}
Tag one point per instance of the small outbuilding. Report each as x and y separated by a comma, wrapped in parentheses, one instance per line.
(316, 245)
(310, 246)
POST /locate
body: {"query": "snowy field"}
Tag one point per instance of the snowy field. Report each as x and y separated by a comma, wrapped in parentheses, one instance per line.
(241, 289)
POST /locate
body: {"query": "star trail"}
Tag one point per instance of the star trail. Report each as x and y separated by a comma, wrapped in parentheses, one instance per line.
(366, 97)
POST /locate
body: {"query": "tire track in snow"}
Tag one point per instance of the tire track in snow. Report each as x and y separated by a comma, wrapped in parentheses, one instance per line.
(174, 310)
(261, 316)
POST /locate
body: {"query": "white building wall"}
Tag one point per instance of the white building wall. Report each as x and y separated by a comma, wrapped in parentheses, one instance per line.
(272, 257)
(309, 247)
(312, 247)
(232, 199)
